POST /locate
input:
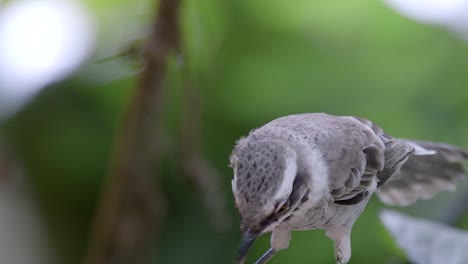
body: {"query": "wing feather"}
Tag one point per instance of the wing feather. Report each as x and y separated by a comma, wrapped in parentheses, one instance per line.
(368, 159)
(423, 176)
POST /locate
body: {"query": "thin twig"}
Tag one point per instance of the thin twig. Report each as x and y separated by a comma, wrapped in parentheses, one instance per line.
(131, 205)
(196, 167)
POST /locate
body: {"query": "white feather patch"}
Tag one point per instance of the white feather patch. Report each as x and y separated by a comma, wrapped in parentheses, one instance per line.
(285, 188)
(233, 185)
(420, 151)
(234, 180)
(319, 175)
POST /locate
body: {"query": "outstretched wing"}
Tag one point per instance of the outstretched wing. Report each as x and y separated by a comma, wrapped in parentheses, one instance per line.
(421, 177)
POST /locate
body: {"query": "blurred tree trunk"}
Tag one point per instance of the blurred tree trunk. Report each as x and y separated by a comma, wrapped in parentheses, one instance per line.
(131, 206)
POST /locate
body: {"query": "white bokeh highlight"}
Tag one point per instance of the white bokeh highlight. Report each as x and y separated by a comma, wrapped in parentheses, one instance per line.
(426, 242)
(41, 41)
(452, 14)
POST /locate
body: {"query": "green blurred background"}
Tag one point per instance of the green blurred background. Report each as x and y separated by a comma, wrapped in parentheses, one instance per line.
(251, 62)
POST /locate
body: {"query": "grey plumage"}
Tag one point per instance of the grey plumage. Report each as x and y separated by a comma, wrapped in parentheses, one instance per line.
(422, 177)
(260, 172)
(310, 171)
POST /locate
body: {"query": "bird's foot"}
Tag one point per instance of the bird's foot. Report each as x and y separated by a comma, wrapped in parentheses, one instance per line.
(340, 259)
(342, 245)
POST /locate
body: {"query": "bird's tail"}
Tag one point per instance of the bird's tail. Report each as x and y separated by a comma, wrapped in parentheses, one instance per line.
(425, 173)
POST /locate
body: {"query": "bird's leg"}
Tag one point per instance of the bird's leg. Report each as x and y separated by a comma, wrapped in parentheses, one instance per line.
(341, 237)
(266, 257)
(279, 240)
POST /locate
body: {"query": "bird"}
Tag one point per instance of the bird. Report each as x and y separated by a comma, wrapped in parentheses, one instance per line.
(318, 171)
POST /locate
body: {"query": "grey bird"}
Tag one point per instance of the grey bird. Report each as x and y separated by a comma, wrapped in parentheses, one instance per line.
(318, 171)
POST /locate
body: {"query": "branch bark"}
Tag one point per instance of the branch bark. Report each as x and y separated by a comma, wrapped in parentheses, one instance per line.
(131, 206)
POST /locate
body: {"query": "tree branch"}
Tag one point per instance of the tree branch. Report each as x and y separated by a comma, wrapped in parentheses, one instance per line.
(131, 204)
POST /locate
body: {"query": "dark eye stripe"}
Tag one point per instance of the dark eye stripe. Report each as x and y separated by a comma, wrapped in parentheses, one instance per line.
(275, 215)
(267, 221)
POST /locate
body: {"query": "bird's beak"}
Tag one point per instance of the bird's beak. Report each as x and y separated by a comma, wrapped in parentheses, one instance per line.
(247, 240)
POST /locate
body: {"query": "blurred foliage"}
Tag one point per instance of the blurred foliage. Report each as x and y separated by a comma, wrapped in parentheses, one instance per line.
(251, 61)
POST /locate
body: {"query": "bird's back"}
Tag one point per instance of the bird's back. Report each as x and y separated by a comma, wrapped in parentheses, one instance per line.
(339, 139)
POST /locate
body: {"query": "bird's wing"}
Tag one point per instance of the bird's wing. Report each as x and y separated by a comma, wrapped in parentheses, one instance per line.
(372, 159)
(358, 156)
(422, 176)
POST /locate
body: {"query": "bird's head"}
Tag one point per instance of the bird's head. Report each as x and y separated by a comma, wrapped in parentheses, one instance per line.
(268, 186)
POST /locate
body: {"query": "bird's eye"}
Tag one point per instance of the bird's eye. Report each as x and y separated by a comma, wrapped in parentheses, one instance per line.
(284, 207)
